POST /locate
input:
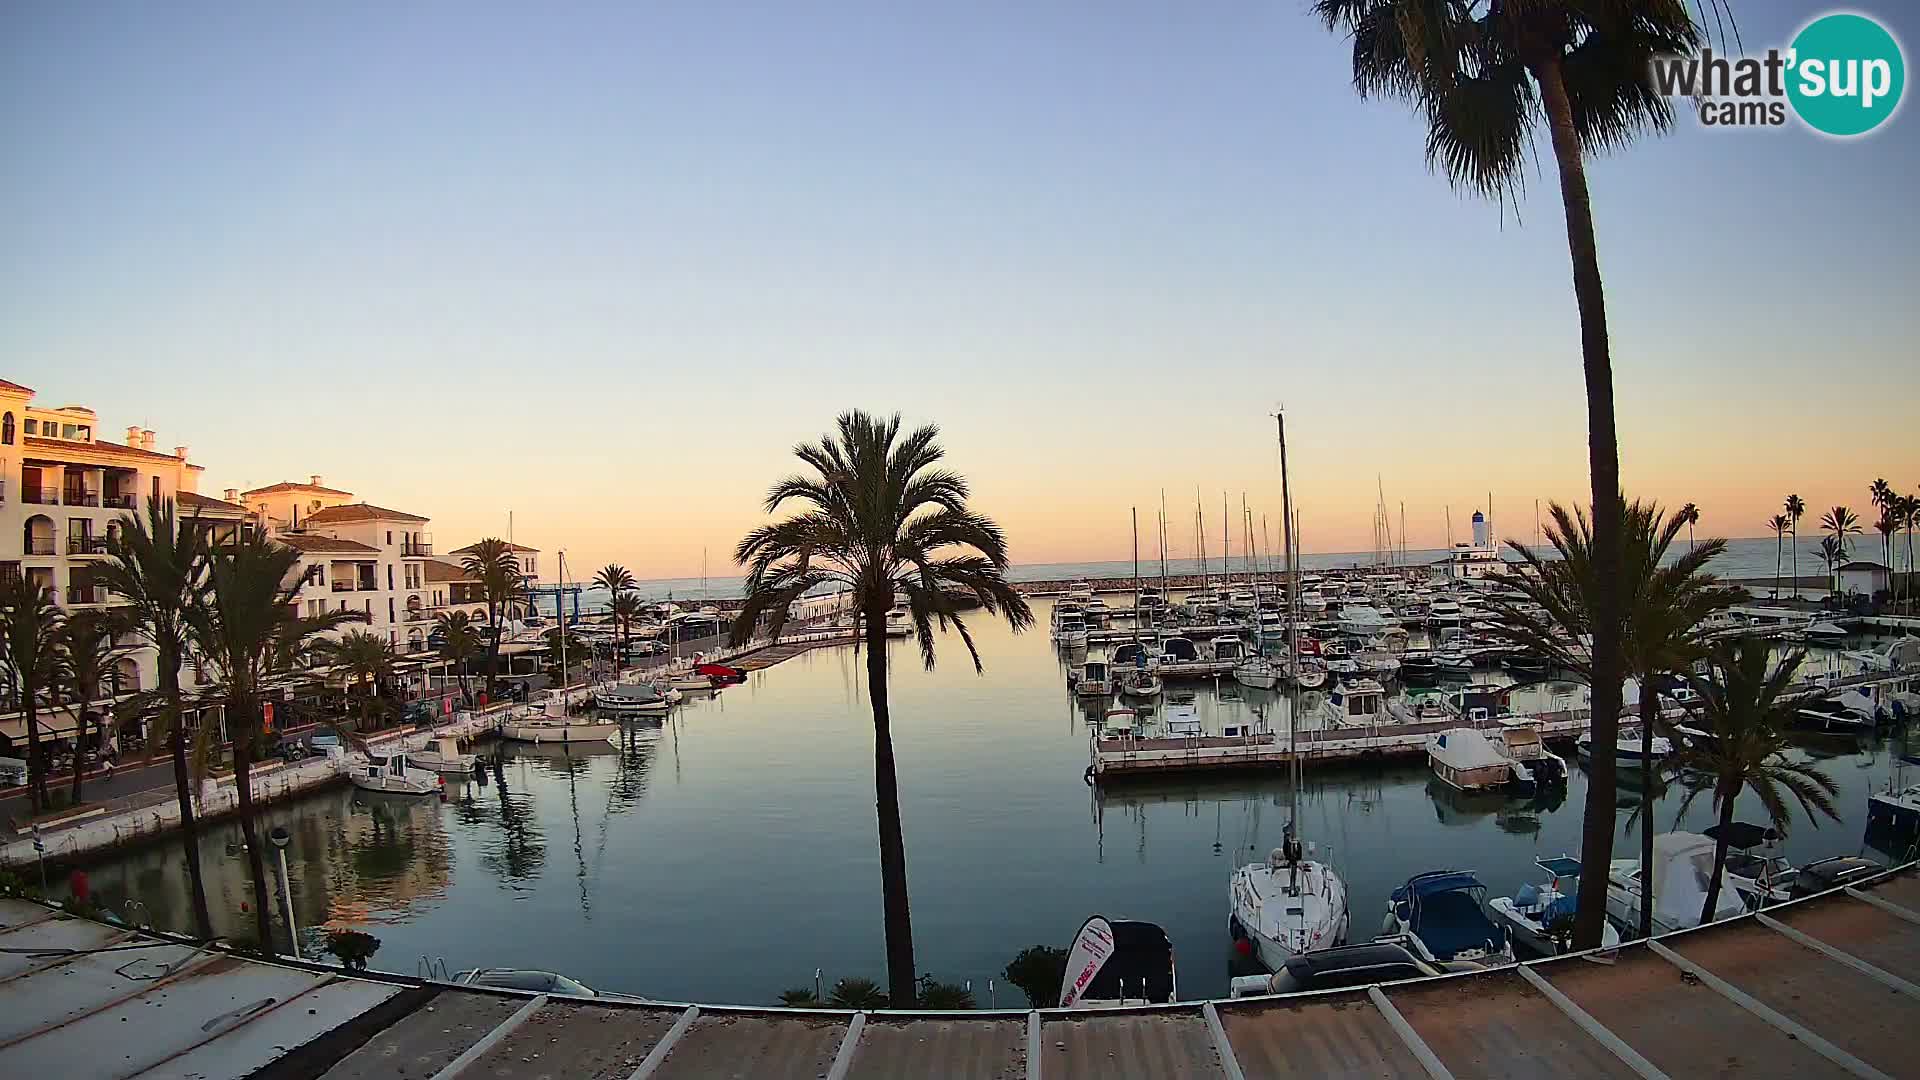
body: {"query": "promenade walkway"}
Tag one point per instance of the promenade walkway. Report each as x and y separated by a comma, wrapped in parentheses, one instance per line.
(1827, 986)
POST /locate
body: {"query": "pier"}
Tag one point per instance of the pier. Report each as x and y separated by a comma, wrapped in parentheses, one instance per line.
(1822, 986)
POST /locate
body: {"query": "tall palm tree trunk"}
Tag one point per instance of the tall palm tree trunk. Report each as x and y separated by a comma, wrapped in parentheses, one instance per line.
(36, 760)
(244, 715)
(1795, 549)
(901, 984)
(1649, 712)
(1726, 794)
(1603, 462)
(1778, 540)
(183, 790)
(79, 745)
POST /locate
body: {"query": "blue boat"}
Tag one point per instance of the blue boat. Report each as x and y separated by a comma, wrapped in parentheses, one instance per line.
(1443, 912)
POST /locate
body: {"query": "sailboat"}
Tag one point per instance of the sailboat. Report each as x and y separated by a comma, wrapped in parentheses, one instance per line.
(1254, 669)
(1291, 903)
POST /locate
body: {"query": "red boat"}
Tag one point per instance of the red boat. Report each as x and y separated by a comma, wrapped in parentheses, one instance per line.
(721, 673)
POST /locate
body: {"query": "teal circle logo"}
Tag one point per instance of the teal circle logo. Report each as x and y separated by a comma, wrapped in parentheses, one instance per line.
(1846, 75)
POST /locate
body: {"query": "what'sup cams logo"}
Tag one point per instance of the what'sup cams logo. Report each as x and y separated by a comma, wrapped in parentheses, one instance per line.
(1843, 76)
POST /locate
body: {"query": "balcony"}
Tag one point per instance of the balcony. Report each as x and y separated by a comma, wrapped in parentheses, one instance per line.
(81, 497)
(40, 496)
(417, 547)
(86, 545)
(86, 594)
(343, 586)
(121, 502)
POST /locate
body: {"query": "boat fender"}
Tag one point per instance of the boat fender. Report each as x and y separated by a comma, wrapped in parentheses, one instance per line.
(1088, 776)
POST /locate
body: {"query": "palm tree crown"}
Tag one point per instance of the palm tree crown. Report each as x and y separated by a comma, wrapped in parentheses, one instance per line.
(1745, 702)
(492, 563)
(614, 578)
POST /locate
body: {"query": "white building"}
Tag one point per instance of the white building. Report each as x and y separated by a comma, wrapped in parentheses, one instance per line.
(62, 491)
(1867, 578)
(354, 556)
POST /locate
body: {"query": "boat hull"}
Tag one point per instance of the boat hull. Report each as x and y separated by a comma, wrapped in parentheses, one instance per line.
(595, 731)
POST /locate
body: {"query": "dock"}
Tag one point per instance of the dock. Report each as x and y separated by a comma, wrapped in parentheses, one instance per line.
(1823, 986)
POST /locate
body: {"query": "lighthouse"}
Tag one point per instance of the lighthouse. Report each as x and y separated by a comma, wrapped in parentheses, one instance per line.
(1482, 536)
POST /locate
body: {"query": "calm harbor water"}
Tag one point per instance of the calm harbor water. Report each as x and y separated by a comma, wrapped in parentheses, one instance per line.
(726, 854)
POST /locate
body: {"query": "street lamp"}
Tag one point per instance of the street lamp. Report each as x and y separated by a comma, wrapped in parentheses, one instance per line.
(281, 838)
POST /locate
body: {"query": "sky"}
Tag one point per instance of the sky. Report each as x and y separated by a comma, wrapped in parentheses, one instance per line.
(602, 267)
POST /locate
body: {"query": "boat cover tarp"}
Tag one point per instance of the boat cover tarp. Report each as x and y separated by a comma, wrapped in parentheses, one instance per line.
(1742, 834)
(1466, 748)
(1682, 867)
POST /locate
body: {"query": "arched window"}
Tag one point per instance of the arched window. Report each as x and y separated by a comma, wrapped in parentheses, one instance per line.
(6, 429)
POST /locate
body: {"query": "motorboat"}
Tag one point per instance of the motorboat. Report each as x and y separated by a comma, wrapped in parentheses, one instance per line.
(1526, 665)
(1228, 649)
(1378, 665)
(1118, 963)
(1682, 868)
(1073, 632)
(388, 772)
(1361, 620)
(1140, 683)
(1453, 664)
(1357, 703)
(1895, 810)
(1423, 707)
(442, 755)
(1096, 612)
(1469, 759)
(1478, 703)
(526, 980)
(1095, 680)
(1308, 673)
(1131, 654)
(1381, 960)
(1178, 650)
(1181, 720)
(1539, 918)
(553, 725)
(1313, 601)
(722, 674)
(1257, 671)
(1764, 878)
(1831, 714)
(899, 622)
(1628, 752)
(1419, 669)
(1241, 600)
(1835, 872)
(1898, 654)
(1289, 905)
(1523, 743)
(1442, 912)
(639, 698)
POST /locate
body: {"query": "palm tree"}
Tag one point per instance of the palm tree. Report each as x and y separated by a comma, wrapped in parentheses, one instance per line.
(1483, 77)
(245, 627)
(1747, 708)
(1796, 508)
(89, 653)
(158, 565)
(1839, 524)
(1689, 515)
(459, 642)
(626, 608)
(1832, 554)
(1909, 508)
(1779, 524)
(614, 578)
(491, 562)
(884, 523)
(364, 661)
(1887, 526)
(1664, 609)
(30, 637)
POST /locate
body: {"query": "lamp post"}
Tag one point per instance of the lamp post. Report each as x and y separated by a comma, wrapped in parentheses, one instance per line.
(281, 838)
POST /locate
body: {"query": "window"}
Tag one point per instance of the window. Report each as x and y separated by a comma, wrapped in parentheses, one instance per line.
(6, 430)
(156, 489)
(33, 427)
(389, 575)
(390, 617)
(389, 537)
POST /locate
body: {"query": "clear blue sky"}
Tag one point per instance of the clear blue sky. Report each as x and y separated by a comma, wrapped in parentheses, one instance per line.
(633, 252)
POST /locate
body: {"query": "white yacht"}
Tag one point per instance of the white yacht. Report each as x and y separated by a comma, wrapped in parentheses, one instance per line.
(638, 698)
(1423, 707)
(1289, 905)
(1628, 752)
(1257, 671)
(1682, 867)
(1313, 602)
(1140, 683)
(1095, 680)
(442, 755)
(1466, 759)
(1357, 703)
(389, 773)
(1539, 917)
(1362, 621)
(1072, 632)
(553, 725)
(1228, 649)
(1241, 600)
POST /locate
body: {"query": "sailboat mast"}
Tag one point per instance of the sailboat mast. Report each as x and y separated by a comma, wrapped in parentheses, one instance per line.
(1200, 537)
(1293, 627)
(1136, 573)
(1226, 544)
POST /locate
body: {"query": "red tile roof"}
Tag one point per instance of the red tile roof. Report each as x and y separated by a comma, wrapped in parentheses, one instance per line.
(325, 544)
(193, 500)
(358, 512)
(438, 571)
(288, 485)
(113, 449)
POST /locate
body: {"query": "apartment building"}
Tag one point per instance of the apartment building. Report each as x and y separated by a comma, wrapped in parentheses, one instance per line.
(353, 556)
(63, 489)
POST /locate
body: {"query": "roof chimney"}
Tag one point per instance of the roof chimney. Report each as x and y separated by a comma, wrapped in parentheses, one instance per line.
(180, 452)
(232, 495)
(315, 480)
(133, 436)
(146, 439)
